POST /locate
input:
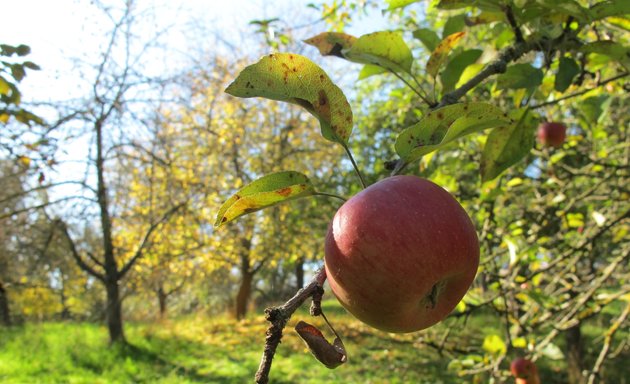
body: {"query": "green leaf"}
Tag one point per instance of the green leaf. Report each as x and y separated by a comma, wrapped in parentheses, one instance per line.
(567, 70)
(520, 76)
(17, 71)
(488, 5)
(370, 70)
(331, 43)
(552, 352)
(428, 37)
(470, 72)
(567, 7)
(386, 49)
(606, 9)
(456, 66)
(5, 88)
(494, 345)
(442, 126)
(453, 4)
(265, 192)
(23, 50)
(611, 49)
(295, 79)
(485, 18)
(31, 65)
(506, 145)
(439, 55)
(454, 24)
(395, 4)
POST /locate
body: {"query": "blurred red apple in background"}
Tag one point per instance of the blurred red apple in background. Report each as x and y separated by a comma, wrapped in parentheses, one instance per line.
(401, 254)
(525, 371)
(552, 134)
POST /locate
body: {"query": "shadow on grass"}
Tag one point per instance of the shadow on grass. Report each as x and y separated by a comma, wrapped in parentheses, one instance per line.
(172, 358)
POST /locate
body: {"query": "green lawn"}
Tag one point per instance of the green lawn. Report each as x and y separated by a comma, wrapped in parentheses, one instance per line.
(221, 350)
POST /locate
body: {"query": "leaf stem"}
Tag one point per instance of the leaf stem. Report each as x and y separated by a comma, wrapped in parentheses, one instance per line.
(354, 165)
(420, 92)
(330, 195)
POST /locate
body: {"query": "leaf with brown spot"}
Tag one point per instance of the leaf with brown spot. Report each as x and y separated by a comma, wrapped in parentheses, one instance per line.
(331, 355)
(440, 127)
(507, 145)
(386, 49)
(439, 55)
(331, 43)
(295, 79)
(265, 192)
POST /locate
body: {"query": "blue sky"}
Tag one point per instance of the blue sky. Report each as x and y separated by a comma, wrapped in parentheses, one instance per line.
(67, 37)
(63, 32)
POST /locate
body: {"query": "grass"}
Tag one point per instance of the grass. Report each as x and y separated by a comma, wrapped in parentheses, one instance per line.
(222, 350)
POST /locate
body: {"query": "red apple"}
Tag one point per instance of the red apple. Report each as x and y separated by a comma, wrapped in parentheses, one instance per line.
(525, 371)
(552, 134)
(401, 254)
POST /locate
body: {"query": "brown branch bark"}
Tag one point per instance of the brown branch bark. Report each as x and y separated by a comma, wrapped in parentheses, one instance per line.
(582, 92)
(75, 254)
(278, 317)
(508, 55)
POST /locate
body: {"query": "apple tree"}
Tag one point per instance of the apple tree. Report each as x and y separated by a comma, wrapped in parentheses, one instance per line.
(462, 88)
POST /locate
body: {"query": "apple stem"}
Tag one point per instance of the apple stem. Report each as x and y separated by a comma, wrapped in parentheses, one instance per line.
(279, 316)
(330, 325)
(354, 165)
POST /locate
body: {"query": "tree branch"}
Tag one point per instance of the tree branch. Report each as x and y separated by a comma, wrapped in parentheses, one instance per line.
(43, 205)
(518, 34)
(582, 92)
(607, 342)
(278, 317)
(75, 254)
(146, 238)
(507, 56)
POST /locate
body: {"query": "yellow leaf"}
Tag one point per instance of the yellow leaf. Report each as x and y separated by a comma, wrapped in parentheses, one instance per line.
(438, 57)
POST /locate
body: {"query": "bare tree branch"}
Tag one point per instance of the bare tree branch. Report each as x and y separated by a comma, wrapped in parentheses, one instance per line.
(610, 334)
(278, 317)
(75, 254)
(147, 236)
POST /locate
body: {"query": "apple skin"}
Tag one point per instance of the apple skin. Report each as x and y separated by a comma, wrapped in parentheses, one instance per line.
(525, 371)
(552, 134)
(401, 254)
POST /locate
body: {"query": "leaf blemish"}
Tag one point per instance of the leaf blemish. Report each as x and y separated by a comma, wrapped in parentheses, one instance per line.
(322, 98)
(284, 191)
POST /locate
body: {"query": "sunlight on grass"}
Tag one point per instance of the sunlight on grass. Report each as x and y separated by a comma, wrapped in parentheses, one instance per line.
(222, 350)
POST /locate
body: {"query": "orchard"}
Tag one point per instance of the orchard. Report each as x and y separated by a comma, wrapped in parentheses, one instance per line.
(402, 253)
(363, 191)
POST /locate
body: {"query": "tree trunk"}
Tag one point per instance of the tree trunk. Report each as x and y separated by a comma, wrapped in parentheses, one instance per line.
(244, 292)
(573, 338)
(114, 312)
(5, 314)
(299, 273)
(162, 298)
(65, 311)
